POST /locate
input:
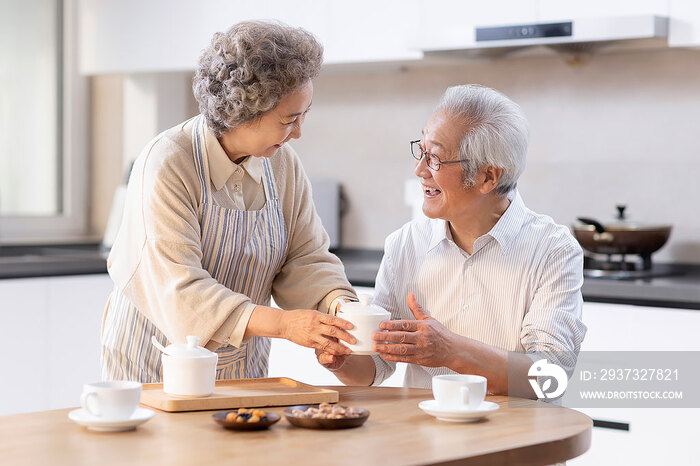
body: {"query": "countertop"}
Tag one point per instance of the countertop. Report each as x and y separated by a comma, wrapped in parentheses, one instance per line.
(52, 260)
(680, 290)
(397, 433)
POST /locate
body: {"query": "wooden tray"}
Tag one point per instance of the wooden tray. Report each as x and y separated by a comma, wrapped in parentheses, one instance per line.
(243, 393)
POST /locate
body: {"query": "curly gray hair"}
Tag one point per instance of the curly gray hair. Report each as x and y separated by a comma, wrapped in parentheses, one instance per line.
(496, 133)
(247, 70)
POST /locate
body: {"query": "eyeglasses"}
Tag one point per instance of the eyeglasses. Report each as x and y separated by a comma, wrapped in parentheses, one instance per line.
(432, 160)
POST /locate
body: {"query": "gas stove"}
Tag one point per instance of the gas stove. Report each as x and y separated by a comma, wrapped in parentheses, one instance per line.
(625, 267)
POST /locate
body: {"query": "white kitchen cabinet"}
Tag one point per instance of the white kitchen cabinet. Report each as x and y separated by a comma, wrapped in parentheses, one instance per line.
(684, 15)
(554, 10)
(132, 36)
(665, 437)
(371, 31)
(76, 306)
(449, 24)
(51, 340)
(684, 30)
(24, 354)
(169, 35)
(615, 327)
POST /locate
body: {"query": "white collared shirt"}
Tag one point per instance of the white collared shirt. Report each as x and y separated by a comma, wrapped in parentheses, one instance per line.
(520, 289)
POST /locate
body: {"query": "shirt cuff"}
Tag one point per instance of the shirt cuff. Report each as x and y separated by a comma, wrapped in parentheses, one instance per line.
(233, 329)
(380, 374)
(337, 302)
(327, 304)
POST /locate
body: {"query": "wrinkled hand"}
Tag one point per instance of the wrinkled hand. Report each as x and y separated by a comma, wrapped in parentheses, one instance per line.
(317, 330)
(330, 361)
(423, 341)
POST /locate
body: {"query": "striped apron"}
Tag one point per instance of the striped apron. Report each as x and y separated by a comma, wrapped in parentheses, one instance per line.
(242, 250)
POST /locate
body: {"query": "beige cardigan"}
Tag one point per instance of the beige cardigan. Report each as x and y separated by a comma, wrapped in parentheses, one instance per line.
(156, 257)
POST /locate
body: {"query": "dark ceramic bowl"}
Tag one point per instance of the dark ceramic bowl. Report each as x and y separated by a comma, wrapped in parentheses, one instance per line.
(312, 423)
(220, 418)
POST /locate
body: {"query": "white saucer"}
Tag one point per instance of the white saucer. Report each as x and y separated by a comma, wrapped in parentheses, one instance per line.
(458, 415)
(82, 417)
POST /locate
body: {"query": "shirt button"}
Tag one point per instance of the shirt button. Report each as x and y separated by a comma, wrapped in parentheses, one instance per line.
(238, 171)
(236, 187)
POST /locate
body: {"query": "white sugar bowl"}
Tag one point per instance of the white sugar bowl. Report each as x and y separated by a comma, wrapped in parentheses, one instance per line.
(366, 318)
(188, 369)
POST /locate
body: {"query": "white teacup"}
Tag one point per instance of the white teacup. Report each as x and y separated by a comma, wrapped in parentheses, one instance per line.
(457, 391)
(111, 400)
(366, 318)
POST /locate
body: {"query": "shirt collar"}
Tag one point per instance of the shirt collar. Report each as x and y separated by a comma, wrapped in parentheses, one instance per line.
(221, 167)
(440, 232)
(254, 167)
(510, 223)
(504, 231)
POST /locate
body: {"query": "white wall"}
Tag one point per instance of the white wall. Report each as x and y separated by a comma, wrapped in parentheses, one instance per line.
(621, 128)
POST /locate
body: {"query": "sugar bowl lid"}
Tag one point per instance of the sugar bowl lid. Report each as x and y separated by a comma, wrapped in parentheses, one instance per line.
(191, 349)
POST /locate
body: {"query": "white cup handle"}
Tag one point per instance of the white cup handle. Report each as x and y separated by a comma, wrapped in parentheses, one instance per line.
(465, 396)
(85, 403)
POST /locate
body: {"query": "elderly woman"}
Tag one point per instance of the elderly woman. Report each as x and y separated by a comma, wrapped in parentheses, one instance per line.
(219, 217)
(483, 279)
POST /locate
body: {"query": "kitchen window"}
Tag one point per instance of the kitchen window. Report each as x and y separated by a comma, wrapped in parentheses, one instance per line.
(43, 115)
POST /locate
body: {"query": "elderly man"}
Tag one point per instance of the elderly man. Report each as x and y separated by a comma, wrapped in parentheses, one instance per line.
(483, 280)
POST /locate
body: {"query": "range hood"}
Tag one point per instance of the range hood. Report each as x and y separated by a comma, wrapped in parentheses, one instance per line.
(577, 36)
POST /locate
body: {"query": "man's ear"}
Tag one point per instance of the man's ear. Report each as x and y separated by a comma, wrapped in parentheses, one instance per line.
(490, 177)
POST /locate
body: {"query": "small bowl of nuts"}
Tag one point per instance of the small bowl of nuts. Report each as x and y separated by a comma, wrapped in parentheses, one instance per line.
(326, 416)
(246, 419)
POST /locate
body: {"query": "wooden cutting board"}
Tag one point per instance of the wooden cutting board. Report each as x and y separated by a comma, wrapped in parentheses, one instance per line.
(243, 393)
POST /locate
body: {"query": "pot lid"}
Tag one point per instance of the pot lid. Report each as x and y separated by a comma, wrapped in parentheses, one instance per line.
(620, 223)
(364, 307)
(191, 349)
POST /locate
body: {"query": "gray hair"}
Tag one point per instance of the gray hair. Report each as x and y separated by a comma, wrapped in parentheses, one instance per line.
(496, 133)
(247, 70)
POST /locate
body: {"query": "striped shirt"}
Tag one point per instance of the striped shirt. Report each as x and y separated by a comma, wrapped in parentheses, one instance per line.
(520, 289)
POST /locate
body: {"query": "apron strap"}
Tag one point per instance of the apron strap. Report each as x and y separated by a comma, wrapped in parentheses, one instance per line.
(269, 182)
(201, 156)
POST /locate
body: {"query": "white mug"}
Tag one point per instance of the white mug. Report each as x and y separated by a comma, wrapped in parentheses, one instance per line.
(111, 400)
(457, 391)
(366, 318)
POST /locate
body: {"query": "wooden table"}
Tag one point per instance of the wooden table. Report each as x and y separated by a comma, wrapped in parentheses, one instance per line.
(397, 433)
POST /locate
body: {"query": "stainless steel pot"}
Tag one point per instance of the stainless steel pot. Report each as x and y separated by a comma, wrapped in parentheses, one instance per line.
(621, 237)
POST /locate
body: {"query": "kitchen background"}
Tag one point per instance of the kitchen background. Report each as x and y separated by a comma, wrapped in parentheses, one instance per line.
(606, 128)
(619, 129)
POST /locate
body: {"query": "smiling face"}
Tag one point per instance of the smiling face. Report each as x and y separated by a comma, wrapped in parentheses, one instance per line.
(444, 194)
(263, 136)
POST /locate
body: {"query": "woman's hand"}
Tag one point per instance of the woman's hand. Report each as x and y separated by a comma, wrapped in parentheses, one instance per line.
(317, 330)
(423, 341)
(330, 361)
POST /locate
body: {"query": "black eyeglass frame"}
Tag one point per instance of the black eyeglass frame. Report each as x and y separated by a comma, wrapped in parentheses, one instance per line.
(429, 156)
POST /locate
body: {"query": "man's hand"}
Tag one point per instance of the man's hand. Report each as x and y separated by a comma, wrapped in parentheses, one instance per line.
(423, 341)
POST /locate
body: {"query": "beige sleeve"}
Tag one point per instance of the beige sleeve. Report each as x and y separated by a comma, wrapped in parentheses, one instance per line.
(157, 258)
(311, 277)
